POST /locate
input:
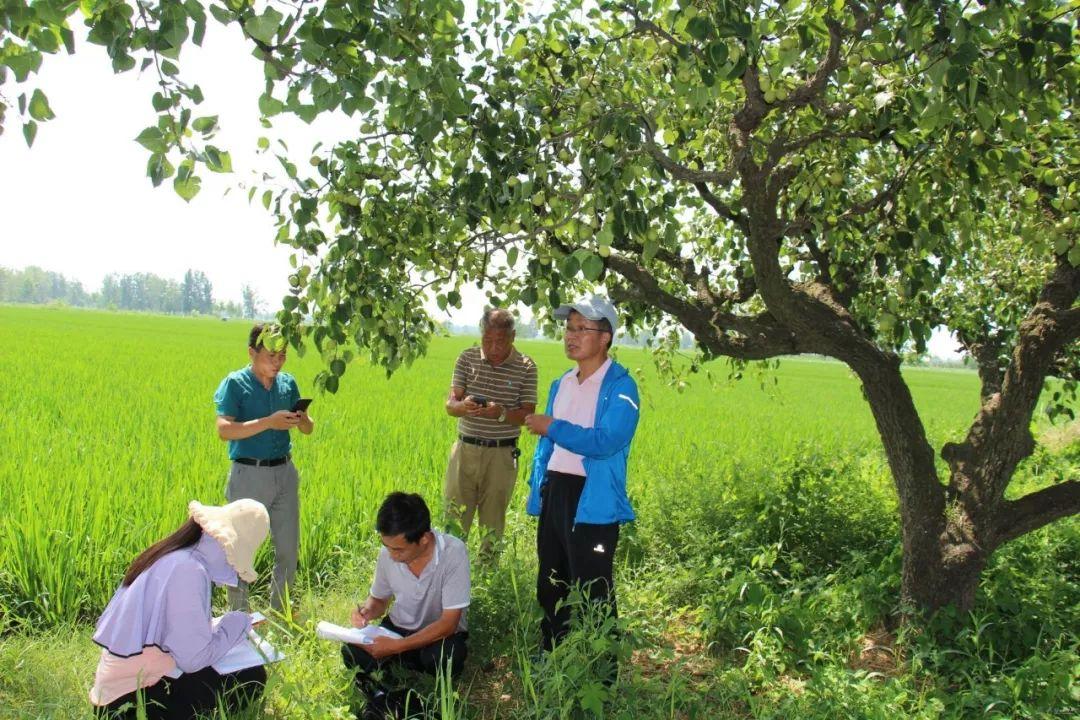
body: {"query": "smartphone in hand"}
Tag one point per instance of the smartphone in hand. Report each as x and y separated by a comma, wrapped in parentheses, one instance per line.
(301, 405)
(480, 400)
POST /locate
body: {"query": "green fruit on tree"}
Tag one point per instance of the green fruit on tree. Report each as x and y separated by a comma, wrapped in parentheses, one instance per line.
(836, 179)
(978, 137)
(609, 140)
(603, 250)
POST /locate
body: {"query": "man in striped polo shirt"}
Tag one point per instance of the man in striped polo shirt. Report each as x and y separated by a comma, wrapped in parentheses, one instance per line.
(493, 389)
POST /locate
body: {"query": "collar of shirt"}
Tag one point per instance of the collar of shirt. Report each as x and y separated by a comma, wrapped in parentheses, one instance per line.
(430, 567)
(509, 358)
(597, 377)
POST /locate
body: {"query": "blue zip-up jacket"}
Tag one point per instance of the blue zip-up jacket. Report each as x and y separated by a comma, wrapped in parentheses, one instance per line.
(604, 448)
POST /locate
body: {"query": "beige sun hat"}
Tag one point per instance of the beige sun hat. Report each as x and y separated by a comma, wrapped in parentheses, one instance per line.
(240, 527)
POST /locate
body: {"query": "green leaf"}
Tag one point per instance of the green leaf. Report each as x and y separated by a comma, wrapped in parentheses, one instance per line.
(592, 696)
(337, 367)
(264, 27)
(718, 53)
(218, 160)
(153, 140)
(1026, 50)
(965, 54)
(649, 251)
(221, 14)
(592, 267)
(331, 384)
(39, 107)
(205, 125)
(269, 106)
(29, 132)
(187, 187)
(699, 27)
(158, 168)
(161, 103)
(517, 45)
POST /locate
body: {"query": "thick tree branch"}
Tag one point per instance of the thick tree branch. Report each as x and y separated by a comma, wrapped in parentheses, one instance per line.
(1000, 437)
(648, 26)
(720, 332)
(780, 147)
(722, 209)
(681, 172)
(1037, 509)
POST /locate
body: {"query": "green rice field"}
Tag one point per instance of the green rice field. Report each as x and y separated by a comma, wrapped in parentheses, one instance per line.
(765, 553)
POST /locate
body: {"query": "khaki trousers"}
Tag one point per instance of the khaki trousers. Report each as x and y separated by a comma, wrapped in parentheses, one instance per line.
(480, 481)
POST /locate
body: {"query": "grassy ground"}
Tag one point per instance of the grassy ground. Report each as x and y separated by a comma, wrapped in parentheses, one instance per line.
(757, 582)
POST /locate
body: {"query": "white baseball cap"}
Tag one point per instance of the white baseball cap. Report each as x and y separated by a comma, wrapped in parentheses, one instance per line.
(593, 308)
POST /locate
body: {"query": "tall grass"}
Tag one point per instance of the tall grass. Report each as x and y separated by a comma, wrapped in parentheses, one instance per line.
(764, 555)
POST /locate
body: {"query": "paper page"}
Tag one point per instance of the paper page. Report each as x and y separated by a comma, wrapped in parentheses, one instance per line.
(356, 636)
(249, 652)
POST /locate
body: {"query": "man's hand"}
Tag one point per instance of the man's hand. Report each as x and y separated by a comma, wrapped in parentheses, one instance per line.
(283, 420)
(382, 646)
(491, 411)
(359, 617)
(538, 424)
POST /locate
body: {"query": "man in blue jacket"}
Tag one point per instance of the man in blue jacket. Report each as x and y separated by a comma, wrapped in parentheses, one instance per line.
(578, 482)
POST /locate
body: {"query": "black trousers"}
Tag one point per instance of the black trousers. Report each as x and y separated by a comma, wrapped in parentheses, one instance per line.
(570, 554)
(427, 659)
(190, 695)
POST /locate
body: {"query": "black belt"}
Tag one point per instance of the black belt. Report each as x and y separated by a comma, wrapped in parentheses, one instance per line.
(484, 442)
(272, 462)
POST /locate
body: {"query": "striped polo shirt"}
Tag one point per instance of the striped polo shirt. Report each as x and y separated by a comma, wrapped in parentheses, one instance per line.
(511, 385)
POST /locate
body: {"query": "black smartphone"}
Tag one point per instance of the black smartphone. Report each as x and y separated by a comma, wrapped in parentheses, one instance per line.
(301, 405)
(480, 400)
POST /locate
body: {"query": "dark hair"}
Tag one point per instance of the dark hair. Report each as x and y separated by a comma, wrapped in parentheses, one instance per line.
(188, 534)
(605, 325)
(496, 319)
(256, 341)
(403, 514)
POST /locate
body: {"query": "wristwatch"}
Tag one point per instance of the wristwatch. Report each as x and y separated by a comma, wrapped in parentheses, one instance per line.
(502, 415)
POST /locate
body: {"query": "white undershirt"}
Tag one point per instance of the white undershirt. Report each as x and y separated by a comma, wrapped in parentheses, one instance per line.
(575, 402)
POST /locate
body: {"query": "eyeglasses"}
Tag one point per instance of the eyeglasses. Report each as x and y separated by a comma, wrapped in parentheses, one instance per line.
(571, 330)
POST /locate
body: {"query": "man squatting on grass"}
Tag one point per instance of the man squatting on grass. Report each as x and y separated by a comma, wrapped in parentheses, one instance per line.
(578, 482)
(426, 574)
(482, 471)
(255, 415)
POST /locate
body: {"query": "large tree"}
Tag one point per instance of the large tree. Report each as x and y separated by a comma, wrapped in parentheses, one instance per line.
(778, 178)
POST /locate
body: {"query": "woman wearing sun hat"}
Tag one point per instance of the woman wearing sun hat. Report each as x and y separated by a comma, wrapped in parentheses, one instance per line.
(158, 621)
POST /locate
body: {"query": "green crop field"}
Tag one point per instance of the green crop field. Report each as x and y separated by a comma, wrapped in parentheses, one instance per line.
(764, 559)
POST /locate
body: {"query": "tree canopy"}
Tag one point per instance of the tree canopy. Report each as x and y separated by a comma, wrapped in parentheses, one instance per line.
(778, 178)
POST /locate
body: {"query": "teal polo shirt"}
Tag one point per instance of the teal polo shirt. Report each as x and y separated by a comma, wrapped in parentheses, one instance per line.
(242, 397)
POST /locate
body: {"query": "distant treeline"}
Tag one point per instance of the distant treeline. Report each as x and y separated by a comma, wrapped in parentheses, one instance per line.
(140, 291)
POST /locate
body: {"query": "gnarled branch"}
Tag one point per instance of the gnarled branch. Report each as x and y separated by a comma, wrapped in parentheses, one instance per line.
(1033, 511)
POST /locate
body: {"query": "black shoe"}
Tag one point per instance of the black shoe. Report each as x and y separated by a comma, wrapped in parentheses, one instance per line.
(377, 707)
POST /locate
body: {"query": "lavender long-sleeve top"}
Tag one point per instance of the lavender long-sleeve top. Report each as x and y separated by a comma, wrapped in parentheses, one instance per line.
(168, 606)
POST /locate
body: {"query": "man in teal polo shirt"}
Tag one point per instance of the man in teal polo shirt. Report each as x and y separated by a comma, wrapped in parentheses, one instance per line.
(255, 414)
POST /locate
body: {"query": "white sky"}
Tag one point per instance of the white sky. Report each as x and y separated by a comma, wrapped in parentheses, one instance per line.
(79, 202)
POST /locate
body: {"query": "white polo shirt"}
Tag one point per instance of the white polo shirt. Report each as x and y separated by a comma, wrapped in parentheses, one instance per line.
(575, 402)
(419, 601)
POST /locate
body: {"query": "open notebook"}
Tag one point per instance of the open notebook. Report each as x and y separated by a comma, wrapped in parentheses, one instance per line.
(357, 636)
(251, 651)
